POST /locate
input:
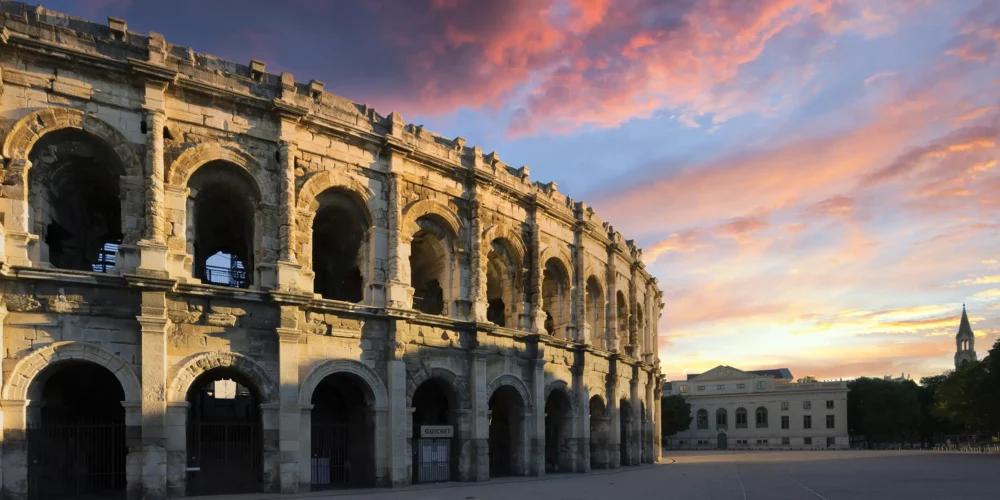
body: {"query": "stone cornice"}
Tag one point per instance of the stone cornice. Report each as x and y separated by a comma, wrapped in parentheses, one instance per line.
(153, 73)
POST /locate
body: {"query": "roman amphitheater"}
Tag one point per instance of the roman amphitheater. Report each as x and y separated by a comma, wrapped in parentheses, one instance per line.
(216, 279)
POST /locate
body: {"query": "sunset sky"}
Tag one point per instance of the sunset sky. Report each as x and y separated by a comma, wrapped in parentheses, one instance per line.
(813, 182)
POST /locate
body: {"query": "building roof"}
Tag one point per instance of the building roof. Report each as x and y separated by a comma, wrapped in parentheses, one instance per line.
(964, 329)
(773, 372)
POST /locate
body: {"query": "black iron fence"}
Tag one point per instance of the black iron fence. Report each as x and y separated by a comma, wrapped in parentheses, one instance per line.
(224, 458)
(77, 460)
(330, 466)
(234, 277)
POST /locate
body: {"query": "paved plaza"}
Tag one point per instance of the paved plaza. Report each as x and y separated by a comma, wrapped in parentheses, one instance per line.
(805, 475)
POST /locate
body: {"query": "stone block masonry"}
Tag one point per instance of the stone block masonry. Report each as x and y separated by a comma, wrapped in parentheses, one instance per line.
(223, 280)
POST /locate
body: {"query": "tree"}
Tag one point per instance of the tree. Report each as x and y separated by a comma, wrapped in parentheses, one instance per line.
(807, 379)
(960, 397)
(883, 410)
(933, 426)
(676, 414)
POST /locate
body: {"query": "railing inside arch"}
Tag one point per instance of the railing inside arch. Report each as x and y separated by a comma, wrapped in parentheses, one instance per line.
(77, 459)
(106, 258)
(234, 276)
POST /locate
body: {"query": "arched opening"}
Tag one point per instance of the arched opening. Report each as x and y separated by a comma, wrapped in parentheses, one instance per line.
(506, 432)
(623, 333)
(557, 432)
(77, 448)
(225, 446)
(721, 418)
(222, 212)
(75, 203)
(556, 301)
(342, 433)
(339, 235)
(598, 434)
(595, 313)
(702, 419)
(761, 417)
(430, 267)
(741, 418)
(434, 411)
(625, 426)
(503, 290)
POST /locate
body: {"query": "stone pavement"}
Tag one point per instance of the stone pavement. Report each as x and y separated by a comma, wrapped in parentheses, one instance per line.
(806, 475)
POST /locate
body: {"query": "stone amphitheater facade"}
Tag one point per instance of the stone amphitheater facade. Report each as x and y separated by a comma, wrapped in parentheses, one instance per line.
(195, 246)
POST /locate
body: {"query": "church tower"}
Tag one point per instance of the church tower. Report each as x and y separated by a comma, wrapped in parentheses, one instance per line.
(965, 341)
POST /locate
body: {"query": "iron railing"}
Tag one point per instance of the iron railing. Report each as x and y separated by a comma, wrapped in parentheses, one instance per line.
(224, 458)
(76, 460)
(234, 277)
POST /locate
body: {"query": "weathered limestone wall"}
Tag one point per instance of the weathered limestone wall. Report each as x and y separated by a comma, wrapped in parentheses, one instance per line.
(182, 124)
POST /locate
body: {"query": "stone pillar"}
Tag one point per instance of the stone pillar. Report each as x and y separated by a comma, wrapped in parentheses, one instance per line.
(582, 417)
(657, 425)
(614, 418)
(142, 462)
(153, 246)
(176, 445)
(15, 449)
(579, 286)
(635, 430)
(270, 418)
(399, 293)
(652, 407)
(612, 312)
(478, 260)
(632, 350)
(535, 284)
(480, 424)
(289, 420)
(398, 429)
(288, 267)
(153, 324)
(537, 461)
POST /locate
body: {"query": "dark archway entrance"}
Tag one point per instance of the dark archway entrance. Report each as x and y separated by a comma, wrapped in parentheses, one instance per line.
(339, 244)
(557, 416)
(435, 459)
(342, 434)
(224, 436)
(722, 441)
(506, 433)
(598, 434)
(624, 424)
(78, 449)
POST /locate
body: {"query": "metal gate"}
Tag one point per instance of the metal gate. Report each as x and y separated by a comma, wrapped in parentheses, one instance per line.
(224, 458)
(77, 460)
(330, 467)
(434, 459)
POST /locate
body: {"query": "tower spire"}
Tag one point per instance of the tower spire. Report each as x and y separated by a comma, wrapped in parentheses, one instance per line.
(965, 341)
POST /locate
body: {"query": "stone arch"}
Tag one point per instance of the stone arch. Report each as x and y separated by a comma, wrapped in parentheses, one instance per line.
(513, 381)
(458, 384)
(25, 371)
(332, 366)
(562, 386)
(31, 128)
(181, 169)
(307, 199)
(562, 256)
(509, 237)
(201, 363)
(442, 213)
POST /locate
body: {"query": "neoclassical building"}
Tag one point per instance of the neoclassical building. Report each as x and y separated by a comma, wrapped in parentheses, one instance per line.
(760, 409)
(216, 279)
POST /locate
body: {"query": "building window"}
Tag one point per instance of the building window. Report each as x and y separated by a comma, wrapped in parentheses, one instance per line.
(701, 388)
(741, 386)
(761, 385)
(784, 405)
(807, 422)
(684, 389)
(807, 405)
(784, 421)
(830, 441)
(721, 418)
(761, 417)
(807, 441)
(721, 387)
(829, 422)
(761, 441)
(829, 405)
(703, 419)
(785, 441)
(741, 418)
